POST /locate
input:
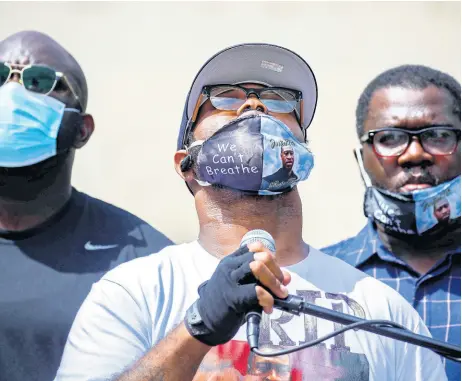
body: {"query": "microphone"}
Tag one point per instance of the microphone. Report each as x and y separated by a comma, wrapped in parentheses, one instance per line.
(253, 317)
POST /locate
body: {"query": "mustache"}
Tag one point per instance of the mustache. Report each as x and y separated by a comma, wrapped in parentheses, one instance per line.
(413, 176)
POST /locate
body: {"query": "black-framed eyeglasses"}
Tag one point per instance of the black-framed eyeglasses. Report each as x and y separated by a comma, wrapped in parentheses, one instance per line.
(36, 78)
(392, 141)
(231, 97)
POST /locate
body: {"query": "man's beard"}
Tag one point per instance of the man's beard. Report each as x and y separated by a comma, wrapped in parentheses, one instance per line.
(28, 183)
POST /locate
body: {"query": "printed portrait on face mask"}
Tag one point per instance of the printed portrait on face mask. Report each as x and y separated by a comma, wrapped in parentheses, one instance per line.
(440, 210)
(285, 162)
(417, 212)
(284, 176)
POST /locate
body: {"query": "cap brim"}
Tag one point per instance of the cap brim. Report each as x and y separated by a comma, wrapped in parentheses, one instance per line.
(271, 64)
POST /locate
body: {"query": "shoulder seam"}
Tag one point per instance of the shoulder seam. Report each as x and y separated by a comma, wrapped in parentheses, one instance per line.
(122, 287)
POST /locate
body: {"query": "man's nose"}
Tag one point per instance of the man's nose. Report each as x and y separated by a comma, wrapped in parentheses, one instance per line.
(252, 103)
(415, 155)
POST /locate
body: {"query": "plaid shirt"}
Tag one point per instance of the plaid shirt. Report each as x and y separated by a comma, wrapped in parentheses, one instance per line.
(435, 295)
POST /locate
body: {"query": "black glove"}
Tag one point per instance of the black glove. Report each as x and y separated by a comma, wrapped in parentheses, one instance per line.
(223, 301)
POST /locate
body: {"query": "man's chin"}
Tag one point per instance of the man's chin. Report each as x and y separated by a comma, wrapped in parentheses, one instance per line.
(28, 183)
(11, 193)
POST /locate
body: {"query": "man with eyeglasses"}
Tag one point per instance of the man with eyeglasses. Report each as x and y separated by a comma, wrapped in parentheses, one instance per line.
(55, 241)
(180, 315)
(408, 124)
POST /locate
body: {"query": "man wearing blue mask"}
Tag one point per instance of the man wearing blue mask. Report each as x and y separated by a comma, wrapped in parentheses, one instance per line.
(408, 124)
(54, 240)
(180, 315)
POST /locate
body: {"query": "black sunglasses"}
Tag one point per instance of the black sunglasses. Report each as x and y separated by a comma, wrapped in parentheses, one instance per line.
(36, 78)
(392, 141)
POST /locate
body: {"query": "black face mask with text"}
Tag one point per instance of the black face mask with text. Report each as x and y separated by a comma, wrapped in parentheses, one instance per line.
(413, 213)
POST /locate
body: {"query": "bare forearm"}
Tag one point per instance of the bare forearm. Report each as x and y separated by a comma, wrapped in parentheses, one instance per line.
(175, 358)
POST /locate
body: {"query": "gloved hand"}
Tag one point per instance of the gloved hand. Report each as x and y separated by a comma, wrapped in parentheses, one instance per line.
(242, 281)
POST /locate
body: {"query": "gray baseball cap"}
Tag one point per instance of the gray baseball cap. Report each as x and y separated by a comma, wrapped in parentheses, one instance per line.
(254, 62)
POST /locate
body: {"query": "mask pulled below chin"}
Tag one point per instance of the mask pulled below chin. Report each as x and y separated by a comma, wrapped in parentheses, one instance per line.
(415, 213)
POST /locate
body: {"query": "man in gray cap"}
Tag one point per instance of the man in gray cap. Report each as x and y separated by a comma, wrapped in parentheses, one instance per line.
(180, 315)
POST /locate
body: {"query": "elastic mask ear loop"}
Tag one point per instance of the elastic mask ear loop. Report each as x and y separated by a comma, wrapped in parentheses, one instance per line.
(359, 159)
(187, 161)
(191, 161)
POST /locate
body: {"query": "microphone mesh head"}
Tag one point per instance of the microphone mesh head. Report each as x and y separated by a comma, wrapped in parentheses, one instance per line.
(259, 235)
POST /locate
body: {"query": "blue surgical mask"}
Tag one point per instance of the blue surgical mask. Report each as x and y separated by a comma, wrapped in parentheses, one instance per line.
(255, 154)
(30, 126)
(412, 213)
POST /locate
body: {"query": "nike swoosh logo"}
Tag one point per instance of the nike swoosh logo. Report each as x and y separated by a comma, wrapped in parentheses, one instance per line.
(90, 247)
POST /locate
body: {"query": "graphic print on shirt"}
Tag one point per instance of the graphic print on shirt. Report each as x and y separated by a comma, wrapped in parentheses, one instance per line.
(332, 360)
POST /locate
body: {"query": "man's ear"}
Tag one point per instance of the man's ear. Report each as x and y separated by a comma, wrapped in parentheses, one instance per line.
(183, 165)
(85, 132)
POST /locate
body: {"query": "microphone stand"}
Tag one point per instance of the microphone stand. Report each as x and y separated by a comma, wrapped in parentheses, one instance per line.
(296, 305)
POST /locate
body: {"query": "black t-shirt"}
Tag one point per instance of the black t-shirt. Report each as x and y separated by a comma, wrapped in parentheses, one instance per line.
(46, 273)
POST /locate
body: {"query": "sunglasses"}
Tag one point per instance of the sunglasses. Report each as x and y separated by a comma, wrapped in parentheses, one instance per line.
(36, 78)
(232, 97)
(436, 140)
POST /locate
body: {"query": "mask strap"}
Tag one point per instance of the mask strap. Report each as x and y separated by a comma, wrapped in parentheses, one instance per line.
(202, 183)
(359, 159)
(194, 144)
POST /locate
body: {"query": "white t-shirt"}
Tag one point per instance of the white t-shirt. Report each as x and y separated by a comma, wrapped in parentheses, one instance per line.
(138, 303)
